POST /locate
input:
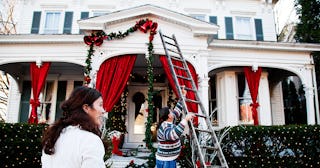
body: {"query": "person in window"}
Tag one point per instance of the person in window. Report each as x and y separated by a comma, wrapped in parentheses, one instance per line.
(74, 141)
(168, 136)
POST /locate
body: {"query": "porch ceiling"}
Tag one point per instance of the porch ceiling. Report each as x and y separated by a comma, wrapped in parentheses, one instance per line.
(198, 27)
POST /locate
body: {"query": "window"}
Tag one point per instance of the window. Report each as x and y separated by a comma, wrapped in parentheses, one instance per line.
(243, 28)
(199, 16)
(52, 23)
(244, 98)
(100, 13)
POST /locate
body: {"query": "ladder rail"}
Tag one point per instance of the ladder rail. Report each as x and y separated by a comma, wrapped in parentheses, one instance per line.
(180, 93)
(217, 150)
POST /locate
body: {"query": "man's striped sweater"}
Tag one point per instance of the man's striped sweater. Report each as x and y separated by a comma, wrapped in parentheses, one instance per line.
(169, 145)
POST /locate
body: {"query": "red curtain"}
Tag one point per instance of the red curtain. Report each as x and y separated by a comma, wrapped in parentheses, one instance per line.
(112, 78)
(192, 107)
(253, 79)
(38, 78)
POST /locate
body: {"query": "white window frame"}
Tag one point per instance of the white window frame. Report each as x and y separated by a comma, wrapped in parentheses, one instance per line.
(202, 17)
(43, 29)
(250, 35)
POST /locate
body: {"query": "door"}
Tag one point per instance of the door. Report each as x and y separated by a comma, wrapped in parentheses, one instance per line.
(138, 112)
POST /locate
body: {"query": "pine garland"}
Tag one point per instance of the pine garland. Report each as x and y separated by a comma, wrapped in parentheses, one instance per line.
(97, 38)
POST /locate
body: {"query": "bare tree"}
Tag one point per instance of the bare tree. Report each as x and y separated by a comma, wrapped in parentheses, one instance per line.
(7, 22)
(7, 26)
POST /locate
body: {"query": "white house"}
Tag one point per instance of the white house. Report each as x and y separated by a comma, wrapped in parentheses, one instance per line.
(218, 38)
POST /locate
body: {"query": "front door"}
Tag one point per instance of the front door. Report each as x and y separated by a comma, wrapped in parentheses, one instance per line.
(138, 112)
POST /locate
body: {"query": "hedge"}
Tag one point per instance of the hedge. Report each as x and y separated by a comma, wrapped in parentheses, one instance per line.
(246, 146)
(274, 146)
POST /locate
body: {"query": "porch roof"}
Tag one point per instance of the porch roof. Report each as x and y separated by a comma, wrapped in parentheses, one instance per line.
(198, 27)
(264, 45)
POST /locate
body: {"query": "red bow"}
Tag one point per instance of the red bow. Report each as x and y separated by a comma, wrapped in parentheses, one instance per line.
(254, 105)
(35, 103)
(97, 41)
(145, 26)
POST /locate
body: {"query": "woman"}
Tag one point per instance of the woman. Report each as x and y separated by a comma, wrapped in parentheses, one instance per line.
(74, 140)
(169, 145)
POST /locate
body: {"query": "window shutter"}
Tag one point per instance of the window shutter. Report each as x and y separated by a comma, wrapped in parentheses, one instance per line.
(35, 22)
(83, 16)
(229, 28)
(259, 31)
(67, 23)
(213, 19)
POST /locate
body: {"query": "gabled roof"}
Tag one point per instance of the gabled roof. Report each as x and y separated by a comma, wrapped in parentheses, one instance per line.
(198, 27)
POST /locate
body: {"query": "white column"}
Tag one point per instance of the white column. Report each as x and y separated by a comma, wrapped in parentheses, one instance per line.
(203, 92)
(13, 102)
(310, 104)
(227, 102)
(264, 110)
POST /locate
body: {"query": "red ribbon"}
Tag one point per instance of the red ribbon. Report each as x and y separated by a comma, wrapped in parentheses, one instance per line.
(35, 103)
(254, 105)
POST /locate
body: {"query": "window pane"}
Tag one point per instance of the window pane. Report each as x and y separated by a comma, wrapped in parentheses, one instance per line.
(199, 17)
(243, 28)
(52, 23)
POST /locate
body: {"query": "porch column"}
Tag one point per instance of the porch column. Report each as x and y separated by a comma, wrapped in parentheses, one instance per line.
(227, 102)
(310, 104)
(264, 112)
(204, 91)
(13, 101)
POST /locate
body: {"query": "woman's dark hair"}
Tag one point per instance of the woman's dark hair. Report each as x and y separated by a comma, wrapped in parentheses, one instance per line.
(73, 114)
(164, 115)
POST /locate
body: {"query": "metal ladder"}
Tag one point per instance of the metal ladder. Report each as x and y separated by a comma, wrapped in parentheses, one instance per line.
(204, 141)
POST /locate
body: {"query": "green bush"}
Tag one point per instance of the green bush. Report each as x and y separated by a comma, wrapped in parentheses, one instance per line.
(274, 146)
(20, 145)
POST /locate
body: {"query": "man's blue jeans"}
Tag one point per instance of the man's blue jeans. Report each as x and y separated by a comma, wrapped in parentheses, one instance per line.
(166, 164)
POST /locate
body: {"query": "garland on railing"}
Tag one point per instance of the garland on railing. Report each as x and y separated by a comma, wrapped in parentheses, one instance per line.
(97, 38)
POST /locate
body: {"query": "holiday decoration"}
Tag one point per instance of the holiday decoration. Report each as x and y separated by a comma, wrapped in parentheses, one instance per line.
(97, 39)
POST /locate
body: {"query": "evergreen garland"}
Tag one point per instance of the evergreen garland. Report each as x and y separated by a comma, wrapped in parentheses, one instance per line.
(97, 38)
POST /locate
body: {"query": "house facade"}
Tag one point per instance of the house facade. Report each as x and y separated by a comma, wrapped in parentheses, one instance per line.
(219, 38)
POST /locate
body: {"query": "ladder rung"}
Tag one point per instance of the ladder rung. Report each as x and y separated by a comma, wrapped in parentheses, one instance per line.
(176, 58)
(182, 77)
(192, 101)
(190, 89)
(170, 44)
(167, 37)
(200, 115)
(209, 147)
(202, 130)
(173, 51)
(179, 67)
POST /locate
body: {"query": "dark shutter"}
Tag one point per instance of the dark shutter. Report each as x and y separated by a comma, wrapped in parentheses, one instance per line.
(229, 28)
(213, 19)
(84, 15)
(61, 96)
(25, 102)
(67, 23)
(35, 22)
(259, 31)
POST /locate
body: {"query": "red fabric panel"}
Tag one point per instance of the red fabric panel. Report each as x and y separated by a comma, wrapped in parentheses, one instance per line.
(38, 78)
(192, 107)
(253, 79)
(112, 78)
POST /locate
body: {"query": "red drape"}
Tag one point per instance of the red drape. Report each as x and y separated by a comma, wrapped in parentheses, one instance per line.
(192, 107)
(253, 79)
(112, 78)
(38, 78)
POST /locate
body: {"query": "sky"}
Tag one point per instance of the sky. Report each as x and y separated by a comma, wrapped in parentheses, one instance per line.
(285, 13)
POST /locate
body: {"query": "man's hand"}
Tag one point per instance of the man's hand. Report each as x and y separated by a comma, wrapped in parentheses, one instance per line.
(184, 92)
(189, 116)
